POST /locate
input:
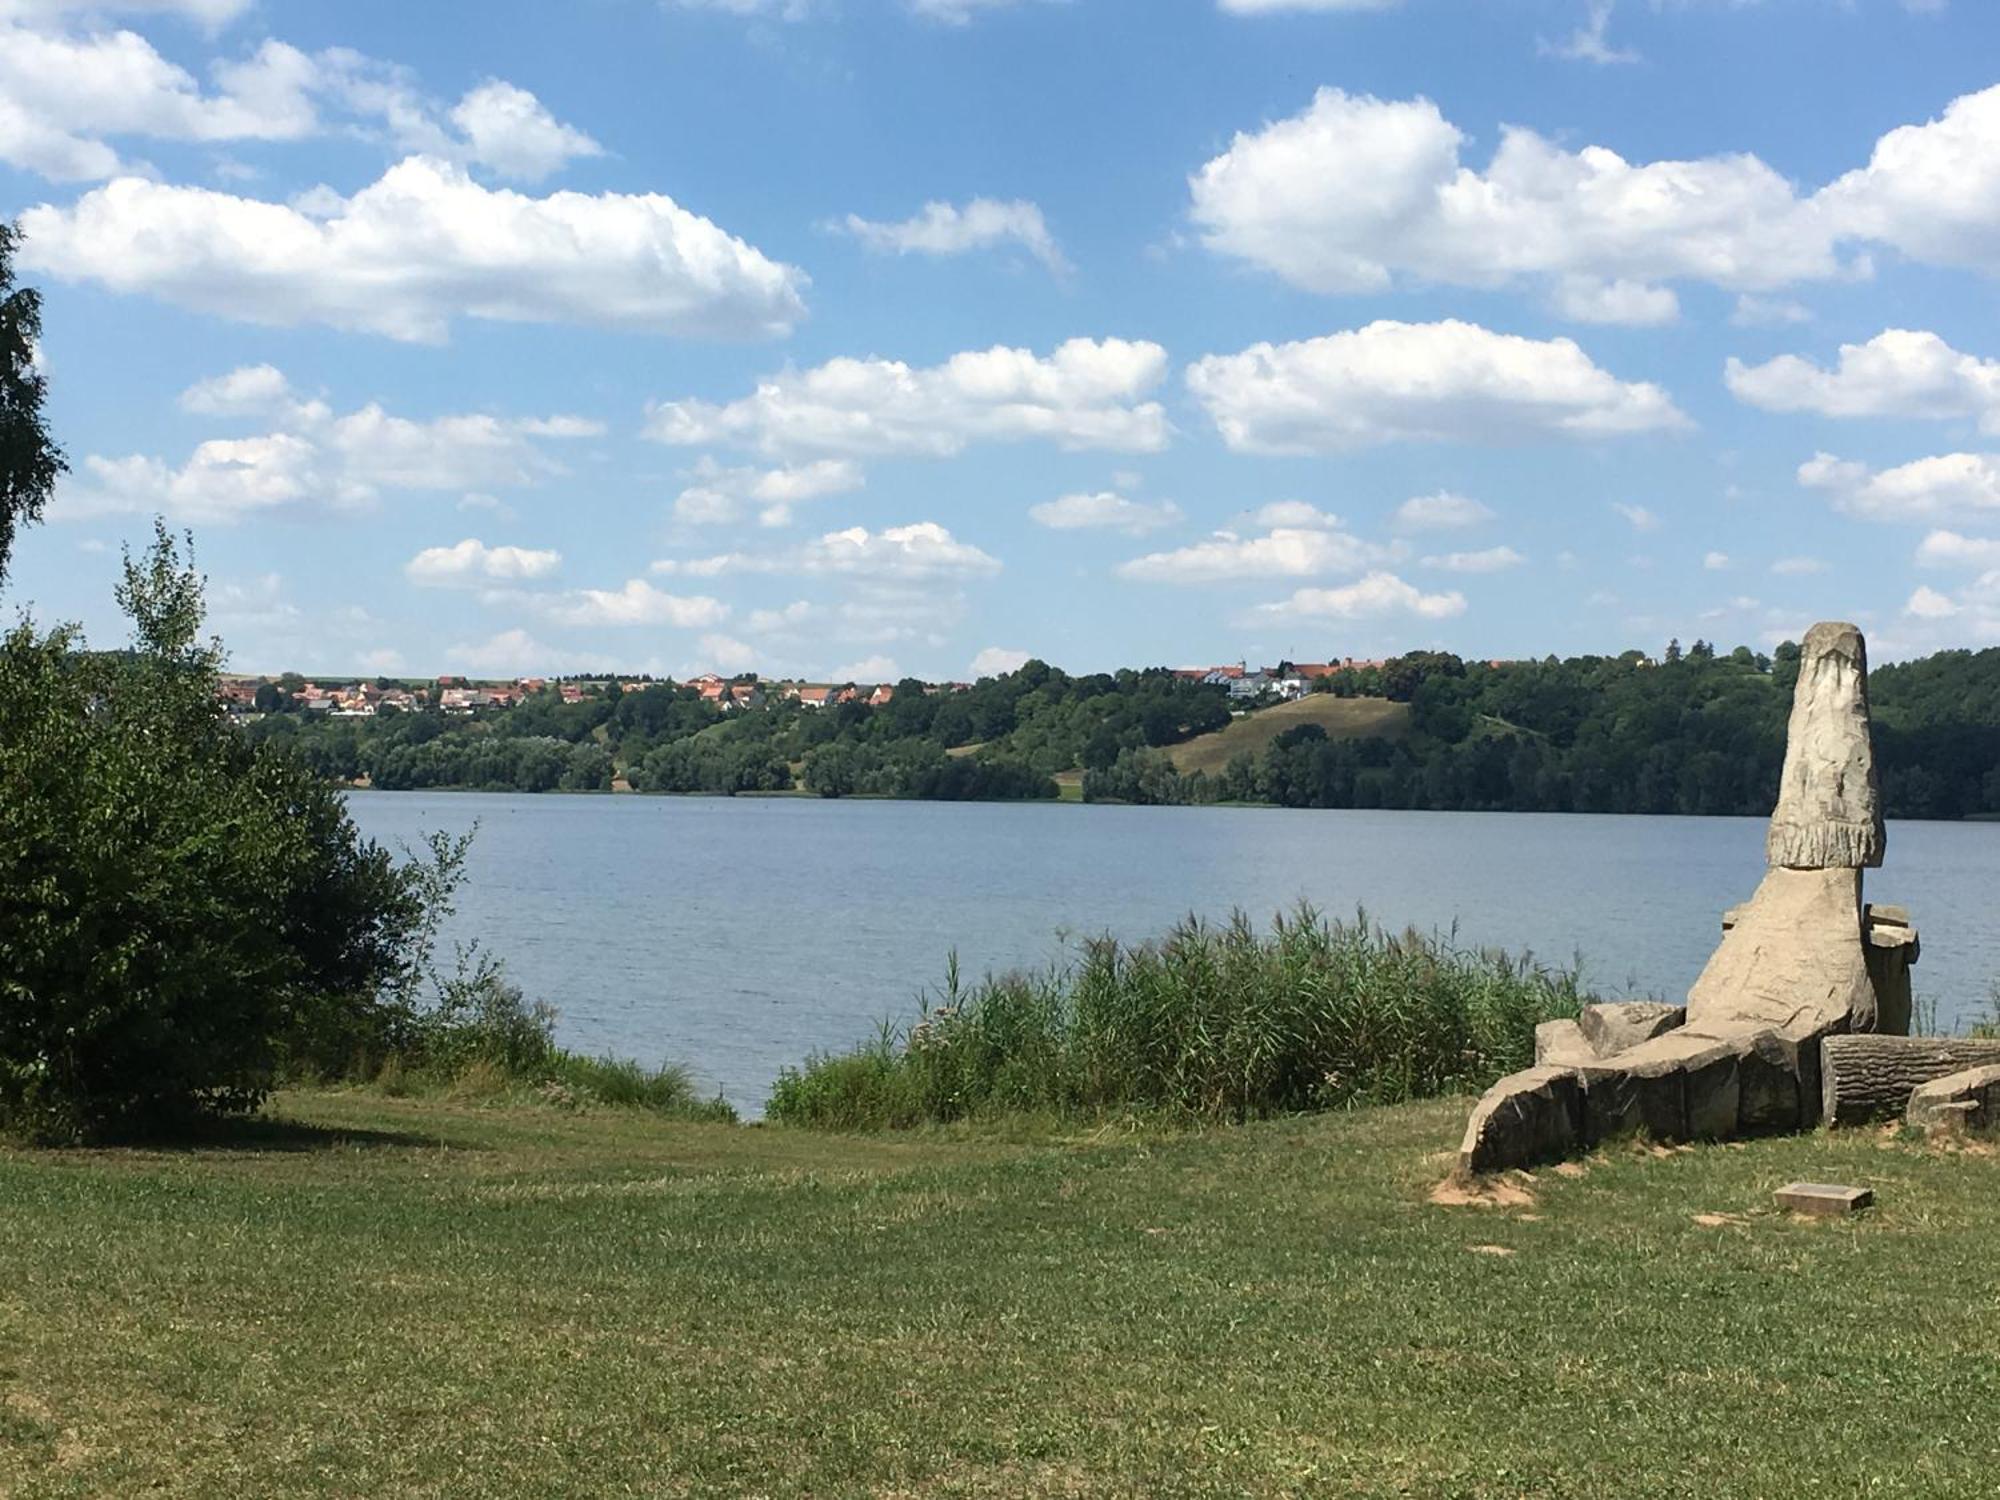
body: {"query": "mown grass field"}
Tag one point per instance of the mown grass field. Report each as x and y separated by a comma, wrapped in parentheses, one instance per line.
(384, 1297)
(1341, 718)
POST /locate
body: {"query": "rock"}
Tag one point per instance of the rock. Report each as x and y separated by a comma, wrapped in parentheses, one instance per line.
(1829, 813)
(1890, 949)
(1865, 1078)
(1526, 1117)
(1792, 962)
(1824, 1200)
(1631, 1095)
(1965, 1101)
(1561, 1044)
(1777, 1084)
(1614, 1027)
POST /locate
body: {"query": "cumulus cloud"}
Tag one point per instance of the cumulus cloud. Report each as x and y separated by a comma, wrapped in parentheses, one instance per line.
(722, 496)
(1087, 394)
(998, 661)
(511, 130)
(1768, 312)
(1418, 382)
(1355, 192)
(1488, 560)
(1715, 562)
(1590, 42)
(1104, 511)
(421, 247)
(1946, 487)
(1948, 549)
(1284, 552)
(1373, 597)
(637, 603)
(876, 668)
(511, 653)
(1898, 373)
(1636, 516)
(924, 550)
(472, 561)
(1443, 511)
(946, 229)
(314, 459)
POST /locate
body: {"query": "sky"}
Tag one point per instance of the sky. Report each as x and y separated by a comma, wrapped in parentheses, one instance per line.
(855, 339)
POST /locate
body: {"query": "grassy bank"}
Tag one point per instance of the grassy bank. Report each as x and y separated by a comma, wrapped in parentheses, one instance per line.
(1211, 1023)
(388, 1297)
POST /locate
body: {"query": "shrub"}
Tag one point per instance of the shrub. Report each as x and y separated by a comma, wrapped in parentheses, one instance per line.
(1213, 1023)
(176, 907)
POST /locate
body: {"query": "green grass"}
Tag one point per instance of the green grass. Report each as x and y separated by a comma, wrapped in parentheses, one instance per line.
(1212, 1022)
(1341, 718)
(387, 1298)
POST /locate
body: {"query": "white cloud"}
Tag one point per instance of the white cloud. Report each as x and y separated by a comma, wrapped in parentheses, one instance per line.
(510, 130)
(1377, 595)
(1277, 7)
(1104, 511)
(511, 653)
(1443, 511)
(1715, 562)
(1087, 394)
(1928, 604)
(60, 96)
(1292, 513)
(1636, 516)
(920, 551)
(1354, 192)
(1587, 299)
(313, 460)
(637, 603)
(472, 561)
(775, 621)
(1930, 489)
(999, 661)
(945, 229)
(722, 496)
(1768, 312)
(1589, 43)
(1797, 567)
(876, 668)
(1898, 373)
(210, 13)
(1948, 549)
(1488, 560)
(1442, 382)
(422, 246)
(1286, 552)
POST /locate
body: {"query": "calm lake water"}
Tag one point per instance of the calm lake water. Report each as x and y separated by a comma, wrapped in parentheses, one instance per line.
(738, 936)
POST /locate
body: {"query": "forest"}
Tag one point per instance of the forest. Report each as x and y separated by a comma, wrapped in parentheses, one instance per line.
(1695, 731)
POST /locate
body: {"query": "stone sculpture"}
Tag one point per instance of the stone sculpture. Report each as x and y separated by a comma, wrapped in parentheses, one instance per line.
(1802, 960)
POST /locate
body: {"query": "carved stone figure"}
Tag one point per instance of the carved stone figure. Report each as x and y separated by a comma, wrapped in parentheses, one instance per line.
(1803, 959)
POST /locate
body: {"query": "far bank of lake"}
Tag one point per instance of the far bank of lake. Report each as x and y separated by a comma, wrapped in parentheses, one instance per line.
(737, 935)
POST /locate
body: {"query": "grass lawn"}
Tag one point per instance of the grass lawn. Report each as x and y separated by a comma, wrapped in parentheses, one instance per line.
(381, 1297)
(1341, 718)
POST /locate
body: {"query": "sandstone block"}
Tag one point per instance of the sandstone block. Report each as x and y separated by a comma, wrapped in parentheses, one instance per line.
(1824, 1199)
(1967, 1100)
(1526, 1117)
(1792, 962)
(1829, 813)
(1561, 1044)
(1611, 1028)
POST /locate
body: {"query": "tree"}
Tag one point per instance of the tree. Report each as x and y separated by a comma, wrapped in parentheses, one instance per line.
(181, 911)
(29, 457)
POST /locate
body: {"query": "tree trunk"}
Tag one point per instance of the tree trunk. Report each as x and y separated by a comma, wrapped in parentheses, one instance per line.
(1871, 1077)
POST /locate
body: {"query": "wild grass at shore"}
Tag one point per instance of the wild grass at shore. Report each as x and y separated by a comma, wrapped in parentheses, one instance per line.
(1212, 1023)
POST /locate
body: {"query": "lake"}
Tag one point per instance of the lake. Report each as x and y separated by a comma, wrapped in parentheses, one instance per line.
(737, 936)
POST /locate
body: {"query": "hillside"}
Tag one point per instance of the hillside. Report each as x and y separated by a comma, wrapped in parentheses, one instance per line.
(1341, 718)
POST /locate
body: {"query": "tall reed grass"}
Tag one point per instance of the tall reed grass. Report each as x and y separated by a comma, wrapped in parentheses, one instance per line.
(1211, 1023)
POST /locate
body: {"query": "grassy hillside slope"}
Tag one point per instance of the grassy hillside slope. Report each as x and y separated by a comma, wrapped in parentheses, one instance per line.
(396, 1298)
(1341, 718)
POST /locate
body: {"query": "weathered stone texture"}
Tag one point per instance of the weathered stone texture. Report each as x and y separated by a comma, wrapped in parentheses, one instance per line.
(1867, 1078)
(1792, 961)
(1969, 1100)
(1829, 813)
(1526, 1117)
(1561, 1044)
(1612, 1028)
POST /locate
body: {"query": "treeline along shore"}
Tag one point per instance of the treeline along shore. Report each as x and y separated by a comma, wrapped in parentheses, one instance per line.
(1691, 732)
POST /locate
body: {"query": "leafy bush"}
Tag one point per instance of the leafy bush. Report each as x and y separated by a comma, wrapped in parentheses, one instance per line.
(1210, 1024)
(177, 909)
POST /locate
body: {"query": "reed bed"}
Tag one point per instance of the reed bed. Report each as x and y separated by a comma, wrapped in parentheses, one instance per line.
(1211, 1023)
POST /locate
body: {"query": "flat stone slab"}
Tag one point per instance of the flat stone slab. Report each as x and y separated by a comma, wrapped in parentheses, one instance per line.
(1825, 1200)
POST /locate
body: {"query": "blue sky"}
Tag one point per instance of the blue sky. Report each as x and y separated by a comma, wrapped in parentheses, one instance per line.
(857, 338)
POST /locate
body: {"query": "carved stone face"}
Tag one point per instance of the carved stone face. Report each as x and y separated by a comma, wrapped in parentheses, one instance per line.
(1829, 813)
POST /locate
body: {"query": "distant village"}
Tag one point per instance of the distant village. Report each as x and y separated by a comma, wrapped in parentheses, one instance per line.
(248, 696)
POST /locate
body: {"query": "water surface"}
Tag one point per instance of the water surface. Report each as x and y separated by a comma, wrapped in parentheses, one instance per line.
(739, 935)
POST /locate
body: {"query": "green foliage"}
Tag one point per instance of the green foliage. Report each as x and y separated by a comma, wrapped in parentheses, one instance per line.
(1213, 1023)
(29, 457)
(177, 907)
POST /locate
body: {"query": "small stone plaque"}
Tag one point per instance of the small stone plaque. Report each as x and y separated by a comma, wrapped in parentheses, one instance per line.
(1824, 1199)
